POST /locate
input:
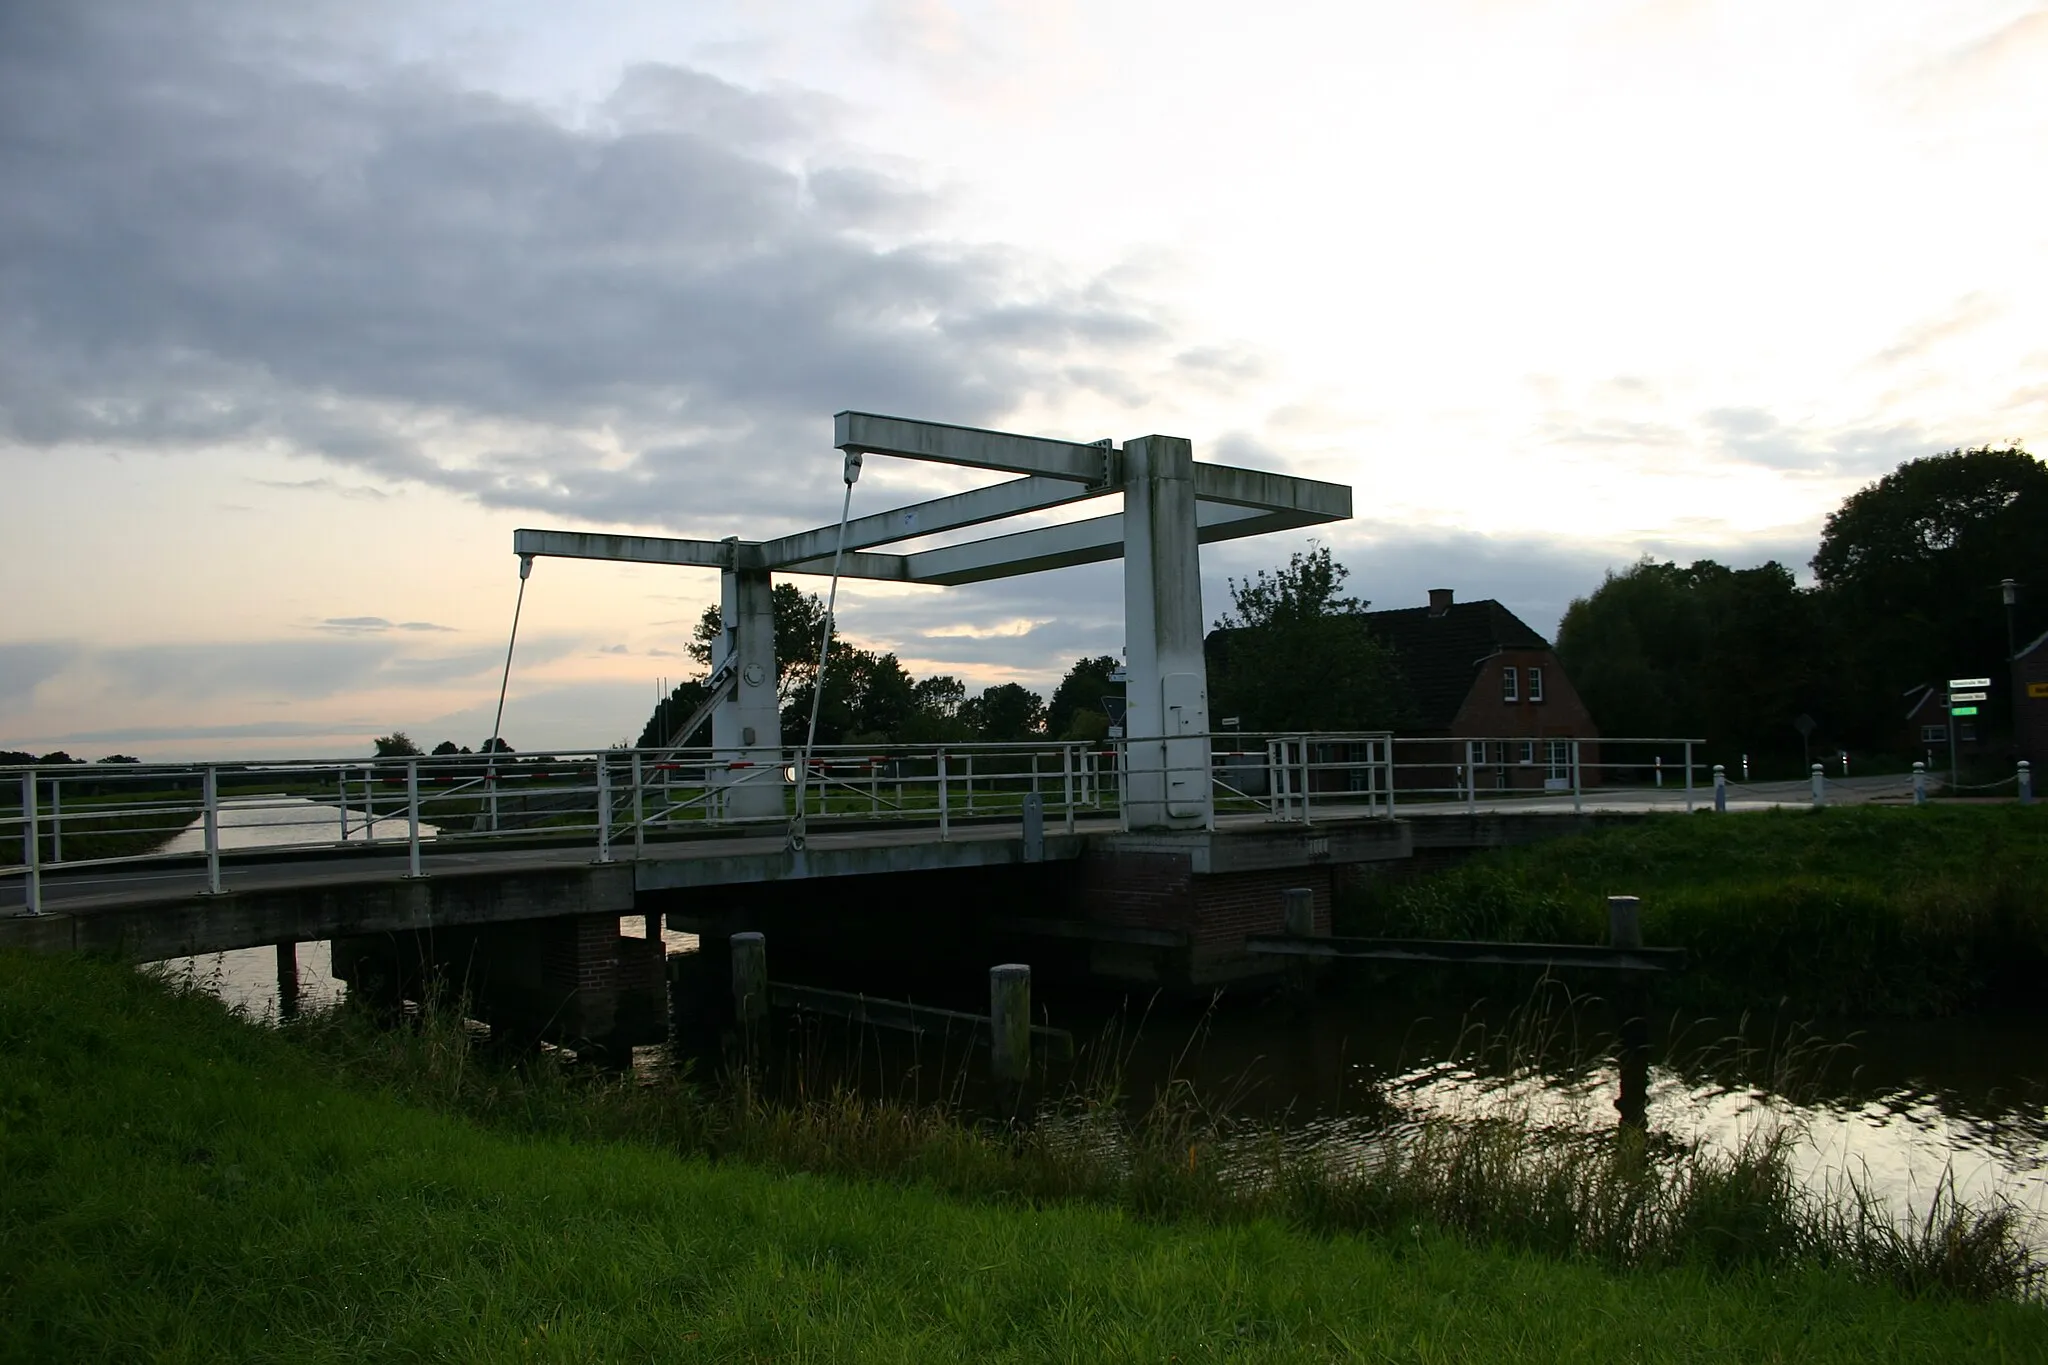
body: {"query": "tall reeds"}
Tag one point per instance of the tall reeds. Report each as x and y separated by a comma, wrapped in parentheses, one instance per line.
(1505, 1176)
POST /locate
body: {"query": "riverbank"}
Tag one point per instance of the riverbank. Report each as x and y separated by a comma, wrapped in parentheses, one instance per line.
(186, 1186)
(1911, 911)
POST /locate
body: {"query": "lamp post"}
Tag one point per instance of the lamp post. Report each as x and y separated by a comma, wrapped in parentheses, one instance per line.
(2009, 593)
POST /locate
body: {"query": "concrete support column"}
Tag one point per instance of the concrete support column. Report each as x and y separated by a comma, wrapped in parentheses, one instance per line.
(746, 729)
(1168, 691)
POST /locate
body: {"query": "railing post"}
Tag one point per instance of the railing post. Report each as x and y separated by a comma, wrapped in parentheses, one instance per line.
(1688, 777)
(1820, 787)
(2026, 783)
(1919, 783)
(943, 814)
(970, 784)
(341, 800)
(1577, 785)
(369, 804)
(1067, 782)
(1308, 782)
(210, 796)
(412, 818)
(1720, 789)
(57, 818)
(1471, 782)
(604, 807)
(31, 843)
(639, 808)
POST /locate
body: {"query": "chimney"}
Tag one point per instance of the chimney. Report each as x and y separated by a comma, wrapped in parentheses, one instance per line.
(1439, 601)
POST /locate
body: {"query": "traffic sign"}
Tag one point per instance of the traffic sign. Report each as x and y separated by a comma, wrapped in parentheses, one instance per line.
(1969, 696)
(1962, 710)
(1969, 682)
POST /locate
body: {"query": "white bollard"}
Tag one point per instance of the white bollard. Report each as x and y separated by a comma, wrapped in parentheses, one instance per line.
(2026, 783)
(1820, 787)
(1919, 783)
(1720, 789)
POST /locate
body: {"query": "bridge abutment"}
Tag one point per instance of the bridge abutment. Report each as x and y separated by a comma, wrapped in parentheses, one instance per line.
(574, 980)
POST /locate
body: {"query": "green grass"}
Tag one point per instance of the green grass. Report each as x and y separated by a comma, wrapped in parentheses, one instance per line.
(1859, 910)
(183, 1186)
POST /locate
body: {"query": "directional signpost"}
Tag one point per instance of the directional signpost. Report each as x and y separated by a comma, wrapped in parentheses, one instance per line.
(1963, 695)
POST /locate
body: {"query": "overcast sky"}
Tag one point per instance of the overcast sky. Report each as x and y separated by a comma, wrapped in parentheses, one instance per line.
(303, 309)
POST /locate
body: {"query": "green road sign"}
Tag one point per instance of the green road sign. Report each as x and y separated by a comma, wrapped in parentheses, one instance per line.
(1962, 710)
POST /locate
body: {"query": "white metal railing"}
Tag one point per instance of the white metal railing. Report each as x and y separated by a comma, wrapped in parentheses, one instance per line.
(108, 819)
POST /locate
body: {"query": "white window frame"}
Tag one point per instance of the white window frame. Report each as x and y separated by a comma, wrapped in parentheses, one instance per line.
(1934, 734)
(1557, 761)
(1528, 753)
(1510, 683)
(1535, 684)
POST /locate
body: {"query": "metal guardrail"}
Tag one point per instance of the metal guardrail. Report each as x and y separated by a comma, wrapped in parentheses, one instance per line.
(117, 817)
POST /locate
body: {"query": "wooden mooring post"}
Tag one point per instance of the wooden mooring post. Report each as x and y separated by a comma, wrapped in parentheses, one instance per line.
(1632, 1015)
(287, 981)
(750, 993)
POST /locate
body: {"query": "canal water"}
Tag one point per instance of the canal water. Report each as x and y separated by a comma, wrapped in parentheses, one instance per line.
(1898, 1106)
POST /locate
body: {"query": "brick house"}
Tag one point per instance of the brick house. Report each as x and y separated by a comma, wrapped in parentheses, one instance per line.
(1472, 671)
(1476, 671)
(2030, 704)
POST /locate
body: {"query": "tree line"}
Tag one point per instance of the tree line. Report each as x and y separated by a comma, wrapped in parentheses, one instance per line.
(1907, 593)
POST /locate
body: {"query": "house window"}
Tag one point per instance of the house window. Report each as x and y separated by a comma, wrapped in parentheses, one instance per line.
(1510, 685)
(1535, 684)
(1558, 754)
(1528, 752)
(1934, 734)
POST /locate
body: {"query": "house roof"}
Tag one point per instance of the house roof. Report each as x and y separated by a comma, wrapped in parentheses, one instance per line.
(1440, 654)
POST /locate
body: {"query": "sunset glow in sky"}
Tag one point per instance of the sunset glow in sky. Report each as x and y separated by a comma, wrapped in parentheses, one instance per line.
(303, 309)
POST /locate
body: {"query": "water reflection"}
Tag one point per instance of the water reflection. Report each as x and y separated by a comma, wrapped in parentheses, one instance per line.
(1898, 1107)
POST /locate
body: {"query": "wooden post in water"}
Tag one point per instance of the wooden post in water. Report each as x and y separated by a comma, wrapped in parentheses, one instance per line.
(1298, 904)
(287, 981)
(1298, 913)
(1009, 1017)
(750, 992)
(1632, 1011)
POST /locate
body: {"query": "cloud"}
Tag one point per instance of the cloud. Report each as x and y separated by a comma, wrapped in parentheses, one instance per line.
(26, 666)
(1001, 630)
(207, 242)
(1754, 436)
(1970, 312)
(358, 625)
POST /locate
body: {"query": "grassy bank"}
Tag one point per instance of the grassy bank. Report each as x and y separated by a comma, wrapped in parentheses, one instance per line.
(183, 1186)
(1858, 910)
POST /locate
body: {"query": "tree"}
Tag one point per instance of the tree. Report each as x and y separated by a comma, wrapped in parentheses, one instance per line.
(396, 745)
(669, 714)
(1081, 692)
(495, 746)
(1007, 712)
(1909, 567)
(1295, 654)
(799, 620)
(935, 706)
(446, 747)
(1731, 656)
(869, 698)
